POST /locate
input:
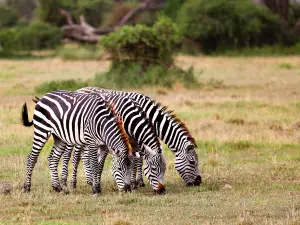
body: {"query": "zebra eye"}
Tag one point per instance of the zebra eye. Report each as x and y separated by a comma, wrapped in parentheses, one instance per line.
(190, 148)
(192, 162)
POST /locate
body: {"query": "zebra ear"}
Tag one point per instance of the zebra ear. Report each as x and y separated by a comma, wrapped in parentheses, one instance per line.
(149, 150)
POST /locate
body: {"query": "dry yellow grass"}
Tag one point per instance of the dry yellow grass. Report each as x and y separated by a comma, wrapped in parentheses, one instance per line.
(247, 130)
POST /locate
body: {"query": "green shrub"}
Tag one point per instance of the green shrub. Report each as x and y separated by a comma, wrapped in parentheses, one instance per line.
(143, 56)
(40, 35)
(146, 45)
(24, 8)
(223, 24)
(48, 11)
(36, 36)
(172, 9)
(130, 74)
(8, 17)
(95, 12)
(9, 40)
(80, 52)
(70, 85)
(274, 50)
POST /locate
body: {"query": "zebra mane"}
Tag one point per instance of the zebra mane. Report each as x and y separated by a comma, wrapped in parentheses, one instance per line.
(119, 121)
(173, 116)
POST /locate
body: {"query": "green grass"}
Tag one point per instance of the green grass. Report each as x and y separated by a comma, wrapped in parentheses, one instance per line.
(248, 149)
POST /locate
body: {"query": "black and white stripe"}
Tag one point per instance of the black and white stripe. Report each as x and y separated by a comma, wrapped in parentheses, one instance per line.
(77, 119)
(170, 130)
(142, 135)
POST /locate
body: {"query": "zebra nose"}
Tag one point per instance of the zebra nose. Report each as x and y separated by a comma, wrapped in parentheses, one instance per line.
(198, 181)
(160, 190)
(127, 188)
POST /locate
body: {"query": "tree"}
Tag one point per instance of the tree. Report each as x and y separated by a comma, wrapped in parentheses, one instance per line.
(280, 7)
(23, 7)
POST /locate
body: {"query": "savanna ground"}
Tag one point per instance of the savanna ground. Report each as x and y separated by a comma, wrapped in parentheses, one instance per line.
(247, 129)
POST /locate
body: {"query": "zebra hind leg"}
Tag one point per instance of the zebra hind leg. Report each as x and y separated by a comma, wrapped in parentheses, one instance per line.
(53, 160)
(39, 140)
(75, 163)
(65, 166)
(86, 165)
(139, 165)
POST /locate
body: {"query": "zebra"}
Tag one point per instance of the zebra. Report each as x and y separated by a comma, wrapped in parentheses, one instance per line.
(142, 137)
(78, 119)
(170, 129)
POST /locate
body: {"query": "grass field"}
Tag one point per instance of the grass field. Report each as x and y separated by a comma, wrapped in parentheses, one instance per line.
(246, 120)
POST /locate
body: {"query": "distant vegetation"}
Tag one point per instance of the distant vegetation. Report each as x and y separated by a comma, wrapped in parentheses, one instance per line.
(142, 46)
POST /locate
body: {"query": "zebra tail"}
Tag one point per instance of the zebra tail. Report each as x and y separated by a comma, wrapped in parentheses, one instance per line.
(24, 117)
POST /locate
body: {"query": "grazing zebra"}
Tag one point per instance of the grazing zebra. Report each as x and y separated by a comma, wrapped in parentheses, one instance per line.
(172, 131)
(78, 119)
(142, 137)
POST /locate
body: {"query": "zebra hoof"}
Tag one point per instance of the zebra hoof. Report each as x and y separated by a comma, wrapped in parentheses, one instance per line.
(64, 183)
(66, 190)
(141, 183)
(73, 185)
(134, 185)
(127, 188)
(96, 190)
(26, 188)
(57, 188)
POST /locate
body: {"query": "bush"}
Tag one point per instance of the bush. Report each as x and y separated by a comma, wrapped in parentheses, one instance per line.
(130, 74)
(143, 56)
(36, 36)
(8, 17)
(9, 40)
(24, 8)
(142, 44)
(172, 9)
(95, 12)
(229, 24)
(79, 52)
(70, 85)
(48, 11)
(40, 35)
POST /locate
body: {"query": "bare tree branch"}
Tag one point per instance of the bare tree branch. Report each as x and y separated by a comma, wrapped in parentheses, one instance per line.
(134, 12)
(67, 16)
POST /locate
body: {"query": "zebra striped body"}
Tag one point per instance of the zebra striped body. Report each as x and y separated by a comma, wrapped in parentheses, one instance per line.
(170, 130)
(77, 119)
(139, 129)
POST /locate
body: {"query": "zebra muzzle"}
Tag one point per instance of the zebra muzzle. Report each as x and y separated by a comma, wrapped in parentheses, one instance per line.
(197, 181)
(127, 188)
(160, 190)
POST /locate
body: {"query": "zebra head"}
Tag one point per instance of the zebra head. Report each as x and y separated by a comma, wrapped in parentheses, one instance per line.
(187, 164)
(121, 170)
(118, 144)
(155, 167)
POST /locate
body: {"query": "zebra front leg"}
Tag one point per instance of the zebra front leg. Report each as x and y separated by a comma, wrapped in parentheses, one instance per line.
(133, 181)
(102, 154)
(86, 165)
(39, 140)
(95, 168)
(75, 163)
(65, 166)
(53, 159)
(139, 165)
